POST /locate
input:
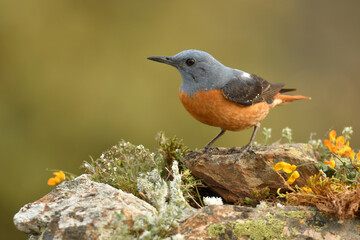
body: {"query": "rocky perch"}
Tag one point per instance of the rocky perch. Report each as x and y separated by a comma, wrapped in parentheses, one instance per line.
(234, 176)
(83, 209)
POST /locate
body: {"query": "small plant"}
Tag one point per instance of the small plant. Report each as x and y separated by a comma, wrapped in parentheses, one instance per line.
(338, 159)
(289, 169)
(338, 192)
(208, 201)
(170, 149)
(59, 177)
(267, 135)
(121, 165)
(287, 134)
(330, 195)
(257, 196)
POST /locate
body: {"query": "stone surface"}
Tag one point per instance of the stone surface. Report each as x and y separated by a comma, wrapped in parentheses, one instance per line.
(233, 176)
(78, 209)
(236, 222)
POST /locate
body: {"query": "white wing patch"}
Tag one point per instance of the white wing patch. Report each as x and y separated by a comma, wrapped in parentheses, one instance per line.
(245, 75)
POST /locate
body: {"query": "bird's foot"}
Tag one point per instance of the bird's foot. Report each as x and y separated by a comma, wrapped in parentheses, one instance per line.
(205, 149)
(246, 149)
(209, 149)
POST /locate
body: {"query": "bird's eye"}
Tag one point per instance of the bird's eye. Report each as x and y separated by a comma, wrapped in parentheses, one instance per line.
(190, 61)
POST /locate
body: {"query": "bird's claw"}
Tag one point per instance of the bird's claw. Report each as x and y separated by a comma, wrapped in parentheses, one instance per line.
(205, 149)
(247, 149)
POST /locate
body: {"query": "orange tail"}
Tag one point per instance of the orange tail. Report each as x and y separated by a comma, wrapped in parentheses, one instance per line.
(285, 99)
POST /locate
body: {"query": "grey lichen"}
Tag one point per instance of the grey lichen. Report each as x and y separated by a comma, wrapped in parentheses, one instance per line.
(168, 200)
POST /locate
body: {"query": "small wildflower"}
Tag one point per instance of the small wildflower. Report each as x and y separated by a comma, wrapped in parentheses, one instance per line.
(212, 201)
(267, 135)
(347, 132)
(287, 133)
(262, 205)
(338, 146)
(293, 177)
(59, 177)
(279, 166)
(288, 168)
(332, 135)
(306, 189)
(279, 205)
(315, 143)
(331, 162)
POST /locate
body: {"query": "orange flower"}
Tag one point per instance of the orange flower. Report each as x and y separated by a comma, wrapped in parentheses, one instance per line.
(293, 177)
(350, 154)
(331, 162)
(59, 177)
(338, 146)
(53, 181)
(332, 135)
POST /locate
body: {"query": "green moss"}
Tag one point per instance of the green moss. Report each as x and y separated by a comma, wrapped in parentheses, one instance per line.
(271, 228)
(216, 229)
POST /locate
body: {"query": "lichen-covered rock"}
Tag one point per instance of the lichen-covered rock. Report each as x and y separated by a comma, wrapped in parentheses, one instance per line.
(236, 222)
(233, 175)
(79, 209)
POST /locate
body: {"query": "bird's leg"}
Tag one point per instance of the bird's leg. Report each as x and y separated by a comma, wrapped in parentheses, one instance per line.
(247, 148)
(249, 145)
(214, 139)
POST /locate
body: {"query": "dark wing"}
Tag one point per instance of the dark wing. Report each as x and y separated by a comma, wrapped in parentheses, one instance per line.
(251, 90)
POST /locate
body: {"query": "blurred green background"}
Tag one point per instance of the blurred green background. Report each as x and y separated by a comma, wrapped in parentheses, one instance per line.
(74, 78)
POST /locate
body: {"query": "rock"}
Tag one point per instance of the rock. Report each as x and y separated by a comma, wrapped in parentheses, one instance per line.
(236, 222)
(233, 176)
(79, 209)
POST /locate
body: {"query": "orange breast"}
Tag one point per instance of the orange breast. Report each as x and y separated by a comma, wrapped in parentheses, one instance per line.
(214, 109)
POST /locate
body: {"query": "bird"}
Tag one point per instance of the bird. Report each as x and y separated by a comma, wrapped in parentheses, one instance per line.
(224, 97)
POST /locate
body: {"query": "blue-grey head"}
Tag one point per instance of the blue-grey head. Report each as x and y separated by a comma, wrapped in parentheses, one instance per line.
(199, 70)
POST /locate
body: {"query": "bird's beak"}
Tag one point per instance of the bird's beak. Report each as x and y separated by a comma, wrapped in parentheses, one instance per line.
(163, 59)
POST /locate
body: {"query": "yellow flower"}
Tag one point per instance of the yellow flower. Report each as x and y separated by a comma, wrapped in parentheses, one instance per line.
(293, 177)
(288, 168)
(279, 166)
(306, 189)
(59, 177)
(331, 162)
